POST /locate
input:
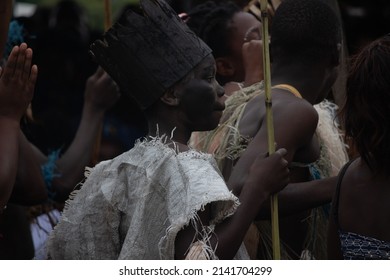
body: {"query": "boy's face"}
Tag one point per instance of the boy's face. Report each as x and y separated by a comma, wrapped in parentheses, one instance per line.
(201, 97)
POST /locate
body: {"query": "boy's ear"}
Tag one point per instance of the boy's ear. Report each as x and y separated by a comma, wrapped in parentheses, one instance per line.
(225, 67)
(170, 97)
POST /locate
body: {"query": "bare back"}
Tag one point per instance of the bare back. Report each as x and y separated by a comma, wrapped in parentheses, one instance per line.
(364, 202)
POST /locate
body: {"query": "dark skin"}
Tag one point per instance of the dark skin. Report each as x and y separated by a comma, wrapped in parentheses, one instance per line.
(295, 197)
(244, 63)
(181, 109)
(363, 207)
(100, 94)
(295, 122)
(17, 81)
(361, 203)
(21, 180)
(245, 60)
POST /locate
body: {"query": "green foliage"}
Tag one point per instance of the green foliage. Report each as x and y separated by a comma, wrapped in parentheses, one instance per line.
(93, 8)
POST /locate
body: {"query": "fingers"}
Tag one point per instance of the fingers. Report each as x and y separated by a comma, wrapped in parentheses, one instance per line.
(33, 78)
(281, 152)
(18, 65)
(271, 173)
(101, 90)
(27, 64)
(108, 82)
(31, 82)
(99, 72)
(10, 65)
(20, 60)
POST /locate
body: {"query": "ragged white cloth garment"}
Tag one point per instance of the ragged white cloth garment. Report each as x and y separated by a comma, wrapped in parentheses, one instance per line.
(133, 206)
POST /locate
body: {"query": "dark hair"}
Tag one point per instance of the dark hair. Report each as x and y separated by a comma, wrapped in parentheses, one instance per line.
(210, 21)
(366, 113)
(304, 29)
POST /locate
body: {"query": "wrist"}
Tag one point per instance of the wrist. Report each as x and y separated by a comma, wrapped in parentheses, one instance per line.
(253, 194)
(93, 111)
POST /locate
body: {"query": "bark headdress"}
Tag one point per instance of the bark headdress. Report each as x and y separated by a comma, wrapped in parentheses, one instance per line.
(148, 53)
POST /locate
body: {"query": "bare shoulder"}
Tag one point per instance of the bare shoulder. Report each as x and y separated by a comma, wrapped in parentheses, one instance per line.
(294, 112)
(289, 113)
(363, 202)
(253, 116)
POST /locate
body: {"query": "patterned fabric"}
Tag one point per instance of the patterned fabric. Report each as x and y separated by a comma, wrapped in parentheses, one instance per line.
(358, 247)
(132, 207)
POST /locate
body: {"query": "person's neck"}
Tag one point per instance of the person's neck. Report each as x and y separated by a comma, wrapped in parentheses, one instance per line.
(301, 78)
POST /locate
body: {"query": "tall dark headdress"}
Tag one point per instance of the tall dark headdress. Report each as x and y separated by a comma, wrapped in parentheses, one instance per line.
(147, 54)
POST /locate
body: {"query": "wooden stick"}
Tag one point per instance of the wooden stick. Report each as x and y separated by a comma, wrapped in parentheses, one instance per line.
(107, 14)
(270, 125)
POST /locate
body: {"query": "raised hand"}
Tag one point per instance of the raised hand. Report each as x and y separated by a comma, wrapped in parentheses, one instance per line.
(252, 55)
(17, 82)
(101, 91)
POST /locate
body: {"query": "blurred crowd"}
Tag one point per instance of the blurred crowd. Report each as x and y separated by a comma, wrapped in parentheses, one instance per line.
(78, 114)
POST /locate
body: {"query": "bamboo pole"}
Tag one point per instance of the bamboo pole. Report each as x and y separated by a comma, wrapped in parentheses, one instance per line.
(270, 125)
(107, 14)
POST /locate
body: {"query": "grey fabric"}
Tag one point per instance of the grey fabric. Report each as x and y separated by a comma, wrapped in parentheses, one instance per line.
(133, 206)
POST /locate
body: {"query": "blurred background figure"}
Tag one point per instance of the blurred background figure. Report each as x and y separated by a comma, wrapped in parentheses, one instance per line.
(359, 225)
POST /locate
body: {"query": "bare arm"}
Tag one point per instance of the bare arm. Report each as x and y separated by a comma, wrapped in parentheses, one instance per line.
(17, 81)
(267, 175)
(101, 93)
(30, 188)
(9, 153)
(334, 246)
(297, 197)
(294, 126)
